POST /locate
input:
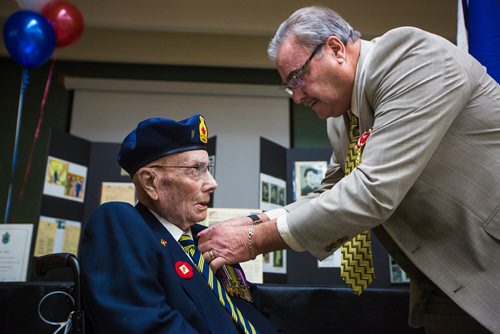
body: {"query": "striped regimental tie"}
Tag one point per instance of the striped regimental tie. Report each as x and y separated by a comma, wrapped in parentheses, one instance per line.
(357, 263)
(188, 244)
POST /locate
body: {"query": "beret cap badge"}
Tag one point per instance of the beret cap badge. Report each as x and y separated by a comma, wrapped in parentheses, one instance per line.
(203, 130)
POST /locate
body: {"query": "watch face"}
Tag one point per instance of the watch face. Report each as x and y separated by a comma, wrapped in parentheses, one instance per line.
(255, 219)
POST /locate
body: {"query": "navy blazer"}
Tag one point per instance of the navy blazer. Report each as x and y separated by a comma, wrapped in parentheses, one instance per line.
(130, 284)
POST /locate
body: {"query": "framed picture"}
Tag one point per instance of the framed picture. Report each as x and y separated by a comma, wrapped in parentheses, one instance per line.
(14, 251)
(308, 176)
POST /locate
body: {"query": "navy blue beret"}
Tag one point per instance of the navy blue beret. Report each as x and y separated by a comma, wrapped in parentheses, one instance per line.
(157, 137)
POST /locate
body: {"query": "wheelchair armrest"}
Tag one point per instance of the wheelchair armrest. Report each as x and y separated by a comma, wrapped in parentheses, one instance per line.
(52, 261)
(61, 260)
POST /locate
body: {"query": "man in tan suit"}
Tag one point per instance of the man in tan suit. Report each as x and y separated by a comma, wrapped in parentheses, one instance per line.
(429, 179)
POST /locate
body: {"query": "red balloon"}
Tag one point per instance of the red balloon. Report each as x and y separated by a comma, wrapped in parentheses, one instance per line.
(66, 20)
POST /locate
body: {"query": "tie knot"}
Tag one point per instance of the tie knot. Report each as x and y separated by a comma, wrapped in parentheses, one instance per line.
(188, 244)
(186, 240)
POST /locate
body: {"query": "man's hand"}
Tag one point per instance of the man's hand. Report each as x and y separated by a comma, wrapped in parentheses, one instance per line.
(229, 242)
(225, 243)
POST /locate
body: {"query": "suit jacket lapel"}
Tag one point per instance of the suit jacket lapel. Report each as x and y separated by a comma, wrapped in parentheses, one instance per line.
(172, 246)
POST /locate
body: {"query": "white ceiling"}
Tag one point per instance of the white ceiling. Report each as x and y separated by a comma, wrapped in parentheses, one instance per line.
(223, 32)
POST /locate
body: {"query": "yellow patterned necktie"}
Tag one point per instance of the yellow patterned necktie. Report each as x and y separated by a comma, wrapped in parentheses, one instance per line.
(357, 263)
(188, 244)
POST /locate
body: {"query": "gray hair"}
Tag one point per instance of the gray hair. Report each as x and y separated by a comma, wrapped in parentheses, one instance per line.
(312, 26)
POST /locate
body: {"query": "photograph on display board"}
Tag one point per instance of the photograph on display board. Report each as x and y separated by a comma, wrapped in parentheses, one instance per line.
(272, 192)
(275, 262)
(65, 179)
(264, 191)
(118, 192)
(308, 176)
(57, 235)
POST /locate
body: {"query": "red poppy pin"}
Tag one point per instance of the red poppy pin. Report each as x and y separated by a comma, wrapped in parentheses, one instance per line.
(363, 138)
(184, 270)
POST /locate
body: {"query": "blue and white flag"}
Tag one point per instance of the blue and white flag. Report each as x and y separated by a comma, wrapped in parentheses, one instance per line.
(478, 32)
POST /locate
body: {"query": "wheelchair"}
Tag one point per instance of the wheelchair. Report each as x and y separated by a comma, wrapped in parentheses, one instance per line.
(75, 323)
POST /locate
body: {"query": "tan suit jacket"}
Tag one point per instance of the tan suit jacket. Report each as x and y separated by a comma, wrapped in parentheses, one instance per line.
(430, 171)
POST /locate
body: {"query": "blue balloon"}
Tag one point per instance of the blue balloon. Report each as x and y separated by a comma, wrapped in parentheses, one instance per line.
(29, 37)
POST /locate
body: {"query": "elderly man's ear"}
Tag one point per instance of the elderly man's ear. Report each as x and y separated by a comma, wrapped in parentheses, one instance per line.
(149, 181)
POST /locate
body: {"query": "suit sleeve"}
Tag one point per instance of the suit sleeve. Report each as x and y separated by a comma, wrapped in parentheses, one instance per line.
(120, 276)
(415, 88)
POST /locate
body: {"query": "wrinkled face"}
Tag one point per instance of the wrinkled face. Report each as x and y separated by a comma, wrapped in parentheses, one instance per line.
(184, 193)
(328, 79)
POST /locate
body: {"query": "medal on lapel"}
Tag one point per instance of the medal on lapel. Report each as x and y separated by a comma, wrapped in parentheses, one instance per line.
(234, 282)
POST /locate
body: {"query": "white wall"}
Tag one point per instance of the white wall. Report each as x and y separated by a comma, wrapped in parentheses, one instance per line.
(105, 110)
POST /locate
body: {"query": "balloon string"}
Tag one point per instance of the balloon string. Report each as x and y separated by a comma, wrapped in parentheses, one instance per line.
(24, 84)
(38, 126)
